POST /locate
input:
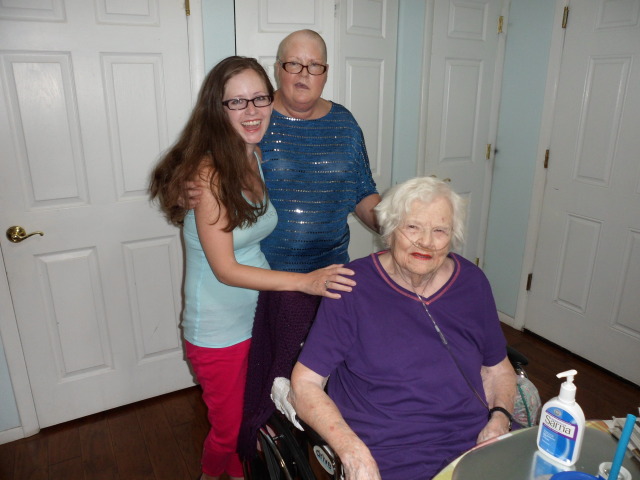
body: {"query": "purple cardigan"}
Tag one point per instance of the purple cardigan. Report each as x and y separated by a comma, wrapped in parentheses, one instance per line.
(281, 324)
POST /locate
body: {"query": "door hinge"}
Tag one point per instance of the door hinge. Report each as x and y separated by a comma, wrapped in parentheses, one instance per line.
(546, 159)
(187, 7)
(488, 151)
(500, 23)
(565, 17)
(477, 261)
(529, 280)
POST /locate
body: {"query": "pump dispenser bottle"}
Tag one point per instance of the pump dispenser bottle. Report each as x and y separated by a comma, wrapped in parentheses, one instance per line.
(562, 424)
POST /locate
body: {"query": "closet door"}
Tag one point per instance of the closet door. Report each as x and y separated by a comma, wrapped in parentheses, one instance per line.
(464, 51)
(90, 94)
(584, 293)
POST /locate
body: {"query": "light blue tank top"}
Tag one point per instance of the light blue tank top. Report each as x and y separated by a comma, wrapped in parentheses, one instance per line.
(218, 315)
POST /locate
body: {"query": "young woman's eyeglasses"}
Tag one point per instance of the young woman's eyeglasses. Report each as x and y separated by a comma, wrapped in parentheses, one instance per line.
(242, 103)
(312, 68)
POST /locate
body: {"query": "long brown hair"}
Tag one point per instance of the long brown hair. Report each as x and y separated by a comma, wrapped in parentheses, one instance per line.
(209, 139)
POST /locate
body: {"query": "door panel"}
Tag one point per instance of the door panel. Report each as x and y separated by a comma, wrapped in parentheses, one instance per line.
(91, 93)
(587, 264)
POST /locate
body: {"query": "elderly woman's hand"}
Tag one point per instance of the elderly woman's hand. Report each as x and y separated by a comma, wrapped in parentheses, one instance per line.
(496, 426)
(499, 383)
(359, 464)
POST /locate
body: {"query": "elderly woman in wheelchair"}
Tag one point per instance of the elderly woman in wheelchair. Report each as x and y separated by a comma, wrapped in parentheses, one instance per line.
(416, 355)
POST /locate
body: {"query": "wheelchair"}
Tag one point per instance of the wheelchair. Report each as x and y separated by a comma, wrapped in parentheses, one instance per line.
(286, 453)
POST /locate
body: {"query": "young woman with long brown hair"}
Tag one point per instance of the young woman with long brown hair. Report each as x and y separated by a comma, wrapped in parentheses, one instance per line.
(224, 265)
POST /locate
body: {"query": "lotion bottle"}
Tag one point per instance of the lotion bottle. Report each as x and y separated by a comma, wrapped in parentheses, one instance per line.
(562, 424)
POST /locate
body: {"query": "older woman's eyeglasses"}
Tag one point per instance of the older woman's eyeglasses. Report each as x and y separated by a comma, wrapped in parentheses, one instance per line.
(426, 238)
(242, 103)
(312, 68)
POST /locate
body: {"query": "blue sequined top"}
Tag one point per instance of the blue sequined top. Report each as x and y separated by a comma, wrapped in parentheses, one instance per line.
(316, 172)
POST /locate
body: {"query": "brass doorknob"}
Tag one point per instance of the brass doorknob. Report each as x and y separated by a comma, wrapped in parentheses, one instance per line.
(16, 234)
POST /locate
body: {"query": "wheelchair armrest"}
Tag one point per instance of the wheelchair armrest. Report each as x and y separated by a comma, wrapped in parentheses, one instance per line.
(516, 358)
(324, 454)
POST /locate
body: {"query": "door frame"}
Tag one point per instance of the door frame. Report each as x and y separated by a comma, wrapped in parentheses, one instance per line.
(16, 365)
(9, 334)
(540, 175)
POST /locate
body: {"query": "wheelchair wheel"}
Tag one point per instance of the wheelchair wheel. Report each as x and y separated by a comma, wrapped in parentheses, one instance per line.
(263, 466)
(280, 457)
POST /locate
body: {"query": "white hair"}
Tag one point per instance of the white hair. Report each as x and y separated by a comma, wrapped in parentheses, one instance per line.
(398, 200)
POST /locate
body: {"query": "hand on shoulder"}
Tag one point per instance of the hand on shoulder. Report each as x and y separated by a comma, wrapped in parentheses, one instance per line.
(326, 281)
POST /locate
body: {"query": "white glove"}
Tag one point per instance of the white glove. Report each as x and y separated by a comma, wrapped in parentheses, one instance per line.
(279, 393)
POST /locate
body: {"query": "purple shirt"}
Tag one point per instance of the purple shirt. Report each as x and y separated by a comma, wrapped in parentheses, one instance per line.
(391, 376)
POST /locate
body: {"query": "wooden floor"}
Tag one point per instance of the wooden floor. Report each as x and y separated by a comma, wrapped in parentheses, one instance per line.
(600, 394)
(161, 438)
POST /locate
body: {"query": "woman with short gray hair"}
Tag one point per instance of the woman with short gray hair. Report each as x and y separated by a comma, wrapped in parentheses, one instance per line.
(415, 354)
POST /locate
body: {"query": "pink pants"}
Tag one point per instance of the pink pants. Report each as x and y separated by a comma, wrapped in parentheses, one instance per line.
(222, 374)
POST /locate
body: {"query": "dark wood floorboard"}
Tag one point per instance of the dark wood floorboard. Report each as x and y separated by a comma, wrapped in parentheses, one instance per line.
(161, 438)
(600, 394)
(129, 446)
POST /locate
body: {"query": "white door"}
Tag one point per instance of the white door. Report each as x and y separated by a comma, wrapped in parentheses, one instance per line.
(361, 38)
(90, 93)
(461, 83)
(586, 276)
(365, 69)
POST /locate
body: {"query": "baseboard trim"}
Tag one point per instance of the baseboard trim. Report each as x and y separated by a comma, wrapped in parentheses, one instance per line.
(11, 435)
(504, 318)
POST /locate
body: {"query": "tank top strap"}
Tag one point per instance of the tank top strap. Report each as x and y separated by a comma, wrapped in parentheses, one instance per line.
(259, 160)
(264, 197)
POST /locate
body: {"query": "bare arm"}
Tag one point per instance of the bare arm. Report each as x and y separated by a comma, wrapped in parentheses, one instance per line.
(314, 406)
(499, 384)
(364, 211)
(218, 248)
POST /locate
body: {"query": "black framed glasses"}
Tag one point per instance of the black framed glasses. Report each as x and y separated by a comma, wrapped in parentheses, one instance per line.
(312, 68)
(242, 103)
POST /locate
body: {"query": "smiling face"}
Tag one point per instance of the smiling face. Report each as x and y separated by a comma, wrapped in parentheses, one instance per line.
(252, 122)
(300, 92)
(421, 243)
